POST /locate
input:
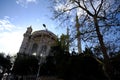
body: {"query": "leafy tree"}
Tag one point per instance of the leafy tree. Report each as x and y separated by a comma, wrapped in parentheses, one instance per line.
(25, 65)
(74, 67)
(88, 51)
(115, 61)
(48, 68)
(64, 39)
(5, 64)
(59, 58)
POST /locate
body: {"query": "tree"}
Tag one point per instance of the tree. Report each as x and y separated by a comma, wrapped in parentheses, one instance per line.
(5, 64)
(25, 65)
(100, 15)
(64, 40)
(115, 61)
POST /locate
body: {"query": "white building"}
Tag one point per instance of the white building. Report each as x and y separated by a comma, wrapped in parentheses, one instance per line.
(38, 42)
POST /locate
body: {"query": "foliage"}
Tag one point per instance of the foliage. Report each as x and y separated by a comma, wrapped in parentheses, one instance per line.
(5, 64)
(74, 67)
(64, 40)
(79, 67)
(25, 65)
(48, 68)
(115, 61)
(66, 66)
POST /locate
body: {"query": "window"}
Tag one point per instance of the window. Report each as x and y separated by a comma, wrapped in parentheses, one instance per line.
(43, 50)
(34, 49)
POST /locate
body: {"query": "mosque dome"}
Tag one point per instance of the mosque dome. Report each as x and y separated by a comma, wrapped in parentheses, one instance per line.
(44, 33)
(38, 42)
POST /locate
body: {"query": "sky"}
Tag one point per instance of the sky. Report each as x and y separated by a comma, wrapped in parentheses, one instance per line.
(17, 15)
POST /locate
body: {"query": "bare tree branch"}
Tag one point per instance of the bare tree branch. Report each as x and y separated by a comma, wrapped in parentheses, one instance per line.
(92, 6)
(84, 4)
(84, 20)
(64, 12)
(101, 3)
(87, 32)
(87, 11)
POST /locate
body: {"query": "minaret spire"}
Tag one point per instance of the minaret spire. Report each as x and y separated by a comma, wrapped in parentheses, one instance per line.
(78, 35)
(68, 41)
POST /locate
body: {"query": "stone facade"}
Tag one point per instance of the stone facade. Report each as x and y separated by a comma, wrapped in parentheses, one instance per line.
(38, 42)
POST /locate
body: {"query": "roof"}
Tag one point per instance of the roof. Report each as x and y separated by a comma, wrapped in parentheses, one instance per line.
(43, 32)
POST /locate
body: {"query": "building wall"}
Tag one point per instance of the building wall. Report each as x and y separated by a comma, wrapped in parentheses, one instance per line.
(37, 43)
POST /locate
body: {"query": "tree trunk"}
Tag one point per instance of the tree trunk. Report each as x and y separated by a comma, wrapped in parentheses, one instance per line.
(108, 67)
(100, 38)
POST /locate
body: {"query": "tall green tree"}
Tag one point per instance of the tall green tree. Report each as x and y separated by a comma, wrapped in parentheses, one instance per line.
(64, 40)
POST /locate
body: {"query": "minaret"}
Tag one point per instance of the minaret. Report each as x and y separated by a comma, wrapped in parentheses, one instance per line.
(78, 35)
(26, 38)
(68, 40)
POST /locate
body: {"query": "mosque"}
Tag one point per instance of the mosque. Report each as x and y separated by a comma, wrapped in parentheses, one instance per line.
(38, 42)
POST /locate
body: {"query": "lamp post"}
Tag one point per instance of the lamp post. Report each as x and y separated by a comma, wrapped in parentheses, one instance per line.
(41, 59)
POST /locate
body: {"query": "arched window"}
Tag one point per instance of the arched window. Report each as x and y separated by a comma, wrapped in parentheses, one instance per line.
(43, 50)
(34, 49)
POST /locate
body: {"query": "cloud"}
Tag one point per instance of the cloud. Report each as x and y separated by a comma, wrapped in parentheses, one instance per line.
(10, 42)
(31, 1)
(10, 37)
(24, 3)
(5, 24)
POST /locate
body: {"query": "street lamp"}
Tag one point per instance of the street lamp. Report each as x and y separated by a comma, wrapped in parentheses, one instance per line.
(41, 60)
